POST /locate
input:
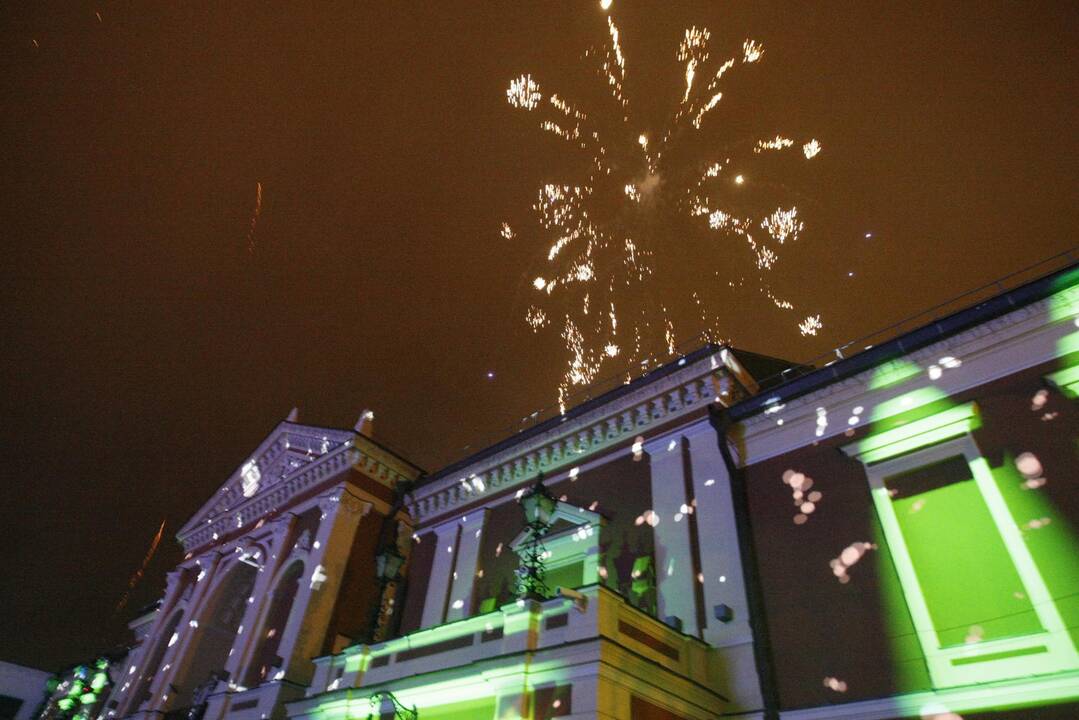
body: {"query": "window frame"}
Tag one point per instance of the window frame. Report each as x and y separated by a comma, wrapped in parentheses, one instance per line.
(920, 444)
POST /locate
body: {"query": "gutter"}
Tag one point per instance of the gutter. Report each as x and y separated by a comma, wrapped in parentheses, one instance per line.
(909, 342)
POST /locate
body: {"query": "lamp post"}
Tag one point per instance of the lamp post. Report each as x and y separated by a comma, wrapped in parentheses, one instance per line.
(388, 564)
(400, 712)
(539, 506)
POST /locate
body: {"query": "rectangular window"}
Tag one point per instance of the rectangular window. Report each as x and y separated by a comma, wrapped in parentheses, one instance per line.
(980, 606)
(970, 583)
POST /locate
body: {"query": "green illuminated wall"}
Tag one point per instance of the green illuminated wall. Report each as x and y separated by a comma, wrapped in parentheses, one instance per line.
(971, 583)
(968, 579)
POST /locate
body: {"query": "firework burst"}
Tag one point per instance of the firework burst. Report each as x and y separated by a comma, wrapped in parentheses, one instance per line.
(661, 222)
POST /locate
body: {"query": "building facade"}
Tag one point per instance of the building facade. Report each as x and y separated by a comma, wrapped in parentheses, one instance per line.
(21, 691)
(893, 535)
(279, 569)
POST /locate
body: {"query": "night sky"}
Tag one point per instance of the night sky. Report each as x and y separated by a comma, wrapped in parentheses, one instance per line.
(147, 349)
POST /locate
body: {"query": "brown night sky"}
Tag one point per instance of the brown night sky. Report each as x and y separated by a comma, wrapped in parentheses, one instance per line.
(146, 351)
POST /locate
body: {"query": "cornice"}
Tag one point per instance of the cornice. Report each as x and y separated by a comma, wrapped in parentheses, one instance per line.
(668, 398)
(354, 452)
(1009, 343)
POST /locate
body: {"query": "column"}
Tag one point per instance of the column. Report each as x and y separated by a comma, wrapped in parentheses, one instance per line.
(173, 588)
(674, 559)
(463, 578)
(721, 563)
(313, 607)
(278, 553)
(209, 563)
(441, 574)
(721, 567)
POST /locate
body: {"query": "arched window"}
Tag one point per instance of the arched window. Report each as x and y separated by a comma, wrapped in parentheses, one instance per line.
(266, 655)
(215, 632)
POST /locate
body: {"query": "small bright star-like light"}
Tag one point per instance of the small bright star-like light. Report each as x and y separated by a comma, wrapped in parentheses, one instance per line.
(539, 283)
(605, 4)
(490, 374)
(739, 179)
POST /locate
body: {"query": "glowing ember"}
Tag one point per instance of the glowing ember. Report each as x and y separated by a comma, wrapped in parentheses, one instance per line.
(648, 213)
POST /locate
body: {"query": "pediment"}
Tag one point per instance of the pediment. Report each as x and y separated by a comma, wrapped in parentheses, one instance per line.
(289, 449)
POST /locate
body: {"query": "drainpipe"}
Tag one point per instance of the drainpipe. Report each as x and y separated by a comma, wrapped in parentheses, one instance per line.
(762, 646)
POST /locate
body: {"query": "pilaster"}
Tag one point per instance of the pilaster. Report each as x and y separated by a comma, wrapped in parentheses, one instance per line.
(721, 565)
(463, 578)
(721, 570)
(262, 592)
(311, 611)
(208, 566)
(441, 573)
(674, 558)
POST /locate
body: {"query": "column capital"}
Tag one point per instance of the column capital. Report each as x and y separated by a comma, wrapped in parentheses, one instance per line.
(660, 446)
(346, 501)
(704, 427)
(208, 559)
(282, 522)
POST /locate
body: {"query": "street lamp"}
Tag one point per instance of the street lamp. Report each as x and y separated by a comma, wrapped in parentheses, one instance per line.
(388, 564)
(539, 507)
(400, 712)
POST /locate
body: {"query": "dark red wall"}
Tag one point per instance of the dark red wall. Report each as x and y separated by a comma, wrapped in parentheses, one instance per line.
(821, 628)
(417, 573)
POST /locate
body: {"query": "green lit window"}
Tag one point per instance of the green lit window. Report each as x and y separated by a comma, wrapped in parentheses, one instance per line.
(980, 606)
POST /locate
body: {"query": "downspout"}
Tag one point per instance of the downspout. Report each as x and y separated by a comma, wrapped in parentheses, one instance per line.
(762, 645)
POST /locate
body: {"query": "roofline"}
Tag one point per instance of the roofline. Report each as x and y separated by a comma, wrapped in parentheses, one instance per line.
(908, 342)
(578, 410)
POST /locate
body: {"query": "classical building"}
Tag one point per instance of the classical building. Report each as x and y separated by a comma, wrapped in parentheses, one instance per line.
(279, 569)
(892, 535)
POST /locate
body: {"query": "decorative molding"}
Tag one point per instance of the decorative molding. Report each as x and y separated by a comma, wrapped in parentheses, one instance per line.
(343, 500)
(218, 519)
(1023, 338)
(945, 425)
(1067, 381)
(1014, 693)
(668, 398)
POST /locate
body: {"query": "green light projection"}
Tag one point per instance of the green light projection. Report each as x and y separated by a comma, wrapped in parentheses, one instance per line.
(989, 600)
(969, 582)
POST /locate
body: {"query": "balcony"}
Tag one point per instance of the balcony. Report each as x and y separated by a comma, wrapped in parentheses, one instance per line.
(567, 637)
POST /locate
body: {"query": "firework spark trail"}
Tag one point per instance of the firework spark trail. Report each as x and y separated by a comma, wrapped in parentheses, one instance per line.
(652, 213)
(142, 569)
(254, 218)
